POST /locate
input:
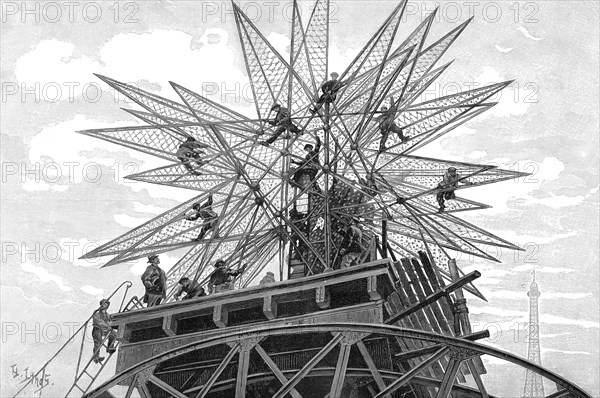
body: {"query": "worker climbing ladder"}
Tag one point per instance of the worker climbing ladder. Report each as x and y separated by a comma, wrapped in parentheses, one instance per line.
(84, 377)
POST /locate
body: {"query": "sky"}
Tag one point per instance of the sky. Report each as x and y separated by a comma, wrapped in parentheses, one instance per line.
(64, 193)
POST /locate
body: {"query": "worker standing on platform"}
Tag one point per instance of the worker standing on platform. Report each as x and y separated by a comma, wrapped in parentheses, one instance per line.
(310, 165)
(351, 248)
(190, 151)
(330, 89)
(207, 214)
(446, 187)
(268, 278)
(221, 278)
(192, 289)
(102, 330)
(283, 122)
(155, 282)
(387, 124)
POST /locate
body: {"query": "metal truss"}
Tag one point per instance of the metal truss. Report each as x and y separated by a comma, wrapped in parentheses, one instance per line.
(241, 349)
(392, 192)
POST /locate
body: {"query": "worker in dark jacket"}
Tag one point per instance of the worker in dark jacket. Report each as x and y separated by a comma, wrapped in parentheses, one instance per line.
(155, 282)
(351, 247)
(207, 214)
(330, 89)
(189, 152)
(310, 165)
(221, 278)
(192, 289)
(283, 122)
(300, 222)
(387, 124)
(446, 187)
(101, 330)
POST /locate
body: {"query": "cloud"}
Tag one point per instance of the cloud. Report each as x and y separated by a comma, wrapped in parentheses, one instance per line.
(547, 350)
(520, 295)
(46, 277)
(542, 269)
(143, 208)
(124, 54)
(502, 49)
(560, 320)
(521, 193)
(507, 104)
(37, 185)
(128, 221)
(281, 43)
(527, 34)
(92, 290)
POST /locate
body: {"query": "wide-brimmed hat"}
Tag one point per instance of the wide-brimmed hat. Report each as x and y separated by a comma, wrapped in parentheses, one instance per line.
(451, 169)
(152, 257)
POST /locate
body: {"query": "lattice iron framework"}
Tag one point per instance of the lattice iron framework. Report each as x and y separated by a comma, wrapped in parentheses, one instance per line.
(393, 193)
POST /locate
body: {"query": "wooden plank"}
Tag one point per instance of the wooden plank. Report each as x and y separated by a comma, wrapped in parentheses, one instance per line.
(421, 320)
(404, 291)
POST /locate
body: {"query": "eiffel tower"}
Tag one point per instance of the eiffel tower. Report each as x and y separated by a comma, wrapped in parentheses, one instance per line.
(534, 386)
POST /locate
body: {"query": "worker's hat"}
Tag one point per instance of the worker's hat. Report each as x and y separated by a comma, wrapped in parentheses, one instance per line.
(270, 273)
(384, 108)
(152, 257)
(451, 169)
(104, 301)
(308, 147)
(334, 74)
(275, 106)
(220, 262)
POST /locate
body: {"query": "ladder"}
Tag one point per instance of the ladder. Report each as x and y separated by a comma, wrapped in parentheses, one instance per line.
(77, 383)
(80, 382)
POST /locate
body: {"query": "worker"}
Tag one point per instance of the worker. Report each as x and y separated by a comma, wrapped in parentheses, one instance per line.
(310, 165)
(300, 223)
(387, 124)
(446, 187)
(155, 282)
(207, 214)
(192, 289)
(351, 247)
(101, 330)
(268, 278)
(221, 278)
(330, 89)
(283, 122)
(190, 151)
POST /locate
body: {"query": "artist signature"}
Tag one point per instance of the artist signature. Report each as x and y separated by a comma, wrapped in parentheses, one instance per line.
(40, 380)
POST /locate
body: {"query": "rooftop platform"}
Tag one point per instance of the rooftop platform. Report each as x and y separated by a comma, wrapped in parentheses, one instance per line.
(353, 294)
